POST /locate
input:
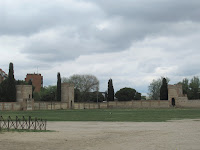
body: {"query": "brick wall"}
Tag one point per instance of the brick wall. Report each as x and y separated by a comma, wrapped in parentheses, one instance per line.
(37, 81)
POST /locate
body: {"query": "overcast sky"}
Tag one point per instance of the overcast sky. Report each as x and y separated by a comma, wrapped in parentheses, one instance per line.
(130, 41)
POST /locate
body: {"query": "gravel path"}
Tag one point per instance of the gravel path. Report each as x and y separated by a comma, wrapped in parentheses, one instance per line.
(173, 135)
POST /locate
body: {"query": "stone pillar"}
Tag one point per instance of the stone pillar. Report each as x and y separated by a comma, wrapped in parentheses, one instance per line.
(67, 94)
(23, 92)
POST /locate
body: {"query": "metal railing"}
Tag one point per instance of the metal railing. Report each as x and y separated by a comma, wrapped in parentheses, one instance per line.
(24, 124)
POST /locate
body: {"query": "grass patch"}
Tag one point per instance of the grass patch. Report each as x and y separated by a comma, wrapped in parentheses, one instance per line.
(22, 130)
(122, 115)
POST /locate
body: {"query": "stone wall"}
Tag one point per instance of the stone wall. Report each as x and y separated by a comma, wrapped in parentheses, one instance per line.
(23, 92)
(50, 105)
(125, 104)
(176, 92)
(67, 94)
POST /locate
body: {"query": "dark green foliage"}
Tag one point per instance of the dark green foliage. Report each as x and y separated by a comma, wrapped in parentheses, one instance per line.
(110, 91)
(11, 90)
(194, 88)
(137, 96)
(154, 88)
(143, 98)
(77, 95)
(46, 94)
(58, 87)
(164, 90)
(21, 82)
(185, 86)
(191, 89)
(127, 94)
(3, 90)
(8, 87)
(92, 97)
(30, 82)
(106, 95)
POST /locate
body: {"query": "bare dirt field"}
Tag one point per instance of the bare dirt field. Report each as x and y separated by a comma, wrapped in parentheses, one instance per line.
(173, 135)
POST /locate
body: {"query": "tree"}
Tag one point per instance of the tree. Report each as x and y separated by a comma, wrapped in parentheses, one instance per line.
(58, 87)
(77, 95)
(191, 88)
(194, 88)
(164, 90)
(110, 91)
(185, 86)
(154, 88)
(84, 83)
(137, 96)
(4, 92)
(92, 97)
(21, 82)
(127, 94)
(11, 87)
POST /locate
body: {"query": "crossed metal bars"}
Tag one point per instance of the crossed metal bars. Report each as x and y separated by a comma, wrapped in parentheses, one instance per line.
(24, 124)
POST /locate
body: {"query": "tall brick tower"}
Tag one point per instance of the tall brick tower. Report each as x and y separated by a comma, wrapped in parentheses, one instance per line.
(37, 81)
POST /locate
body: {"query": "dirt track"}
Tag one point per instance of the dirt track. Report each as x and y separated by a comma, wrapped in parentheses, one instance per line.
(175, 135)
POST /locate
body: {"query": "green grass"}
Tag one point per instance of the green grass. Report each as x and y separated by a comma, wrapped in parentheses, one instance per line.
(129, 115)
(23, 130)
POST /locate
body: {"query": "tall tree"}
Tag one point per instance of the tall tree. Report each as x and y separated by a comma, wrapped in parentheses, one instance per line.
(58, 87)
(185, 86)
(191, 88)
(154, 88)
(164, 90)
(84, 83)
(110, 91)
(194, 88)
(11, 88)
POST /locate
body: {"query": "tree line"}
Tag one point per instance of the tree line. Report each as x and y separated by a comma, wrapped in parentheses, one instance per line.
(86, 89)
(190, 87)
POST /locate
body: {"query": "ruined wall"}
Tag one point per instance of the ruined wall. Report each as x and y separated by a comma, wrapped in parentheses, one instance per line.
(181, 100)
(67, 94)
(23, 92)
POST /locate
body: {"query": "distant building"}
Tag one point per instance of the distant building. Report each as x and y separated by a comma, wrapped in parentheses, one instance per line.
(37, 81)
(3, 75)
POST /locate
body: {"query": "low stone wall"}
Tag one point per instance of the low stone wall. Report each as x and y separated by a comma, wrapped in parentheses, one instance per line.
(16, 106)
(11, 106)
(124, 104)
(181, 102)
(49, 105)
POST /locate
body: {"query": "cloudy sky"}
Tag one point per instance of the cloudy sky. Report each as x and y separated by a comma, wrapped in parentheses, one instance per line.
(130, 41)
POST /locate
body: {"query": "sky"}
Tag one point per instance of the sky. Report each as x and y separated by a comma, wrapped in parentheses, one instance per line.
(130, 41)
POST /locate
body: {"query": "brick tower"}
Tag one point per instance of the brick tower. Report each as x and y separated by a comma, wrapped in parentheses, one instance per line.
(37, 81)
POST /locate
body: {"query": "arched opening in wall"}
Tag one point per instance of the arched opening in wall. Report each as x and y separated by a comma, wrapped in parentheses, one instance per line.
(71, 104)
(173, 102)
(29, 96)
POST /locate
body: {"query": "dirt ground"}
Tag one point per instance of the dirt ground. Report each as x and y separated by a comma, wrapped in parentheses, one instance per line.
(173, 135)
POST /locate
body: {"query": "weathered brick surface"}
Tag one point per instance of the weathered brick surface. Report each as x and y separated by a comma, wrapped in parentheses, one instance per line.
(37, 81)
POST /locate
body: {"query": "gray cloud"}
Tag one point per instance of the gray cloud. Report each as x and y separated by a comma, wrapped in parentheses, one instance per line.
(128, 40)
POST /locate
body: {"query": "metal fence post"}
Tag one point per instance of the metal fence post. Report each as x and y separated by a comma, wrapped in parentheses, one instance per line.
(8, 123)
